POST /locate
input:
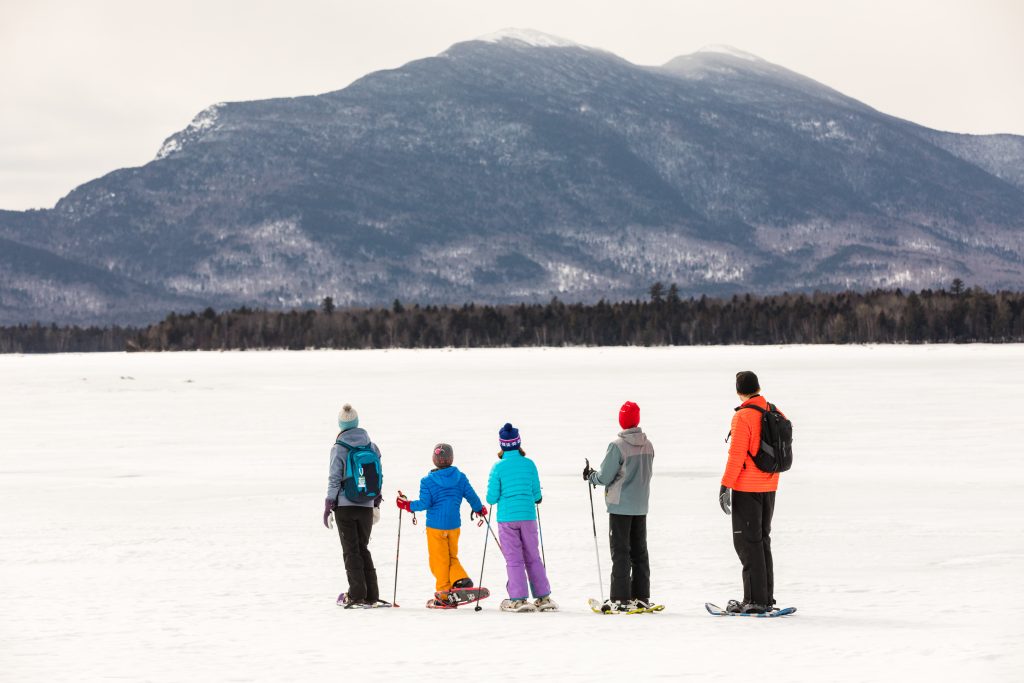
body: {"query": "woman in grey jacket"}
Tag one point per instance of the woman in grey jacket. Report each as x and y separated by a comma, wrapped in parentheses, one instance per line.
(626, 475)
(355, 519)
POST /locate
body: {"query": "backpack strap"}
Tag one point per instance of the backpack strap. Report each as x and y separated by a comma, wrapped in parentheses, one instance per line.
(345, 474)
(739, 408)
(758, 409)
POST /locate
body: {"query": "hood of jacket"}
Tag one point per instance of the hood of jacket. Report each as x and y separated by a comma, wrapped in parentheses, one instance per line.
(354, 437)
(634, 436)
(446, 478)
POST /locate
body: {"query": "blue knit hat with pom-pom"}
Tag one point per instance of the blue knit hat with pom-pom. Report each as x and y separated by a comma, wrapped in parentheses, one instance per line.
(508, 437)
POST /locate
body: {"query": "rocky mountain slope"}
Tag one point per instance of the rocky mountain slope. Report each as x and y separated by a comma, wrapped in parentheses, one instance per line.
(518, 167)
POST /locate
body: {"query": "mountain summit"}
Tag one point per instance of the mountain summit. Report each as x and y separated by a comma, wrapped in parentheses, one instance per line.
(518, 167)
(527, 36)
(731, 51)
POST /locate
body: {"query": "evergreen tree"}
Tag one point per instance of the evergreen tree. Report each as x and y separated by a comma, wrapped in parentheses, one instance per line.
(657, 292)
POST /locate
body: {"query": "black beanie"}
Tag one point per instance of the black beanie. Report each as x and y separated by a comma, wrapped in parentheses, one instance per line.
(746, 383)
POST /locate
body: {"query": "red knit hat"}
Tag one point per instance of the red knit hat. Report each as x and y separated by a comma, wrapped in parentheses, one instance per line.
(629, 415)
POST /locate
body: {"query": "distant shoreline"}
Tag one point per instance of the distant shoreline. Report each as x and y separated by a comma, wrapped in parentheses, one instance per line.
(958, 315)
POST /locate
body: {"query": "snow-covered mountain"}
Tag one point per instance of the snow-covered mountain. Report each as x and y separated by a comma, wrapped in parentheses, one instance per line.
(520, 166)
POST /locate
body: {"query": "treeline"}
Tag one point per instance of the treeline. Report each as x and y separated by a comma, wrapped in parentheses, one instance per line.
(36, 338)
(957, 315)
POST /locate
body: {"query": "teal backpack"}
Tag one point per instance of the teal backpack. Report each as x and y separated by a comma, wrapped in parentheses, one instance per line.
(363, 474)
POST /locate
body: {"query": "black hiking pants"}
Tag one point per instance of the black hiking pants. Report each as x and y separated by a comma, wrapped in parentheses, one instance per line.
(354, 525)
(751, 536)
(631, 567)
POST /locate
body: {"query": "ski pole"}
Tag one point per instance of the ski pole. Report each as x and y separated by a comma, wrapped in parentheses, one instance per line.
(489, 528)
(593, 521)
(398, 549)
(540, 530)
(498, 543)
(483, 559)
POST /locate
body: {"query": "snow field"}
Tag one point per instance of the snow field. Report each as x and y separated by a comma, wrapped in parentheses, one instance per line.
(160, 514)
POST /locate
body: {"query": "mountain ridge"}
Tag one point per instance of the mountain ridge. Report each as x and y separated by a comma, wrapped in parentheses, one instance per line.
(503, 171)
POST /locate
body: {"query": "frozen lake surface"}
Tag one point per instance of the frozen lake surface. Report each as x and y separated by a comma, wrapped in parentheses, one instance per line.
(160, 515)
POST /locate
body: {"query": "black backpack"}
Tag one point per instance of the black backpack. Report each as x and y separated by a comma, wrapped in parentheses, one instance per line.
(776, 451)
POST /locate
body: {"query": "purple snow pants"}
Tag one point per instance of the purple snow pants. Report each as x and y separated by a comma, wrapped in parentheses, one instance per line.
(521, 547)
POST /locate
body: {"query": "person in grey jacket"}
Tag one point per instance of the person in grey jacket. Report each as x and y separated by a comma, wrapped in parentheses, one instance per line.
(354, 519)
(626, 475)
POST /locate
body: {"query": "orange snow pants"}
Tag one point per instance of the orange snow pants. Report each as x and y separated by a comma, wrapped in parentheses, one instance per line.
(443, 546)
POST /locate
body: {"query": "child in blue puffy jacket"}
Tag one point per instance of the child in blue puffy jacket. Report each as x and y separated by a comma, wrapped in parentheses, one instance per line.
(515, 484)
(441, 495)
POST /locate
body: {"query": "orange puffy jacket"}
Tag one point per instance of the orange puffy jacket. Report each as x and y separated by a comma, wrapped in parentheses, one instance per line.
(741, 474)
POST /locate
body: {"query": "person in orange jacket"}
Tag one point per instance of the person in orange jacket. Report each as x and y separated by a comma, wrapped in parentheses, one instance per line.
(748, 494)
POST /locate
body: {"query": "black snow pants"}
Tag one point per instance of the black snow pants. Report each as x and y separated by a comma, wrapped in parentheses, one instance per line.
(631, 567)
(751, 536)
(354, 525)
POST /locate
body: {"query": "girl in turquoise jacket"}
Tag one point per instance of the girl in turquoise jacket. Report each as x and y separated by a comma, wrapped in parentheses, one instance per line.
(515, 486)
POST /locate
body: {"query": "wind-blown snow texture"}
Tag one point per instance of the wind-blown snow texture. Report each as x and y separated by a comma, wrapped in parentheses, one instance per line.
(160, 514)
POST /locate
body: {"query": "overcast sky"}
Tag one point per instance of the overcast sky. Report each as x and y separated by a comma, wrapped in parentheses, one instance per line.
(93, 85)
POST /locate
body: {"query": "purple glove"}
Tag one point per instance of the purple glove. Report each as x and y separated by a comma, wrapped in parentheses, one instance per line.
(328, 509)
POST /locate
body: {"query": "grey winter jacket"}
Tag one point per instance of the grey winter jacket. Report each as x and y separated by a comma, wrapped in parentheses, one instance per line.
(626, 473)
(339, 458)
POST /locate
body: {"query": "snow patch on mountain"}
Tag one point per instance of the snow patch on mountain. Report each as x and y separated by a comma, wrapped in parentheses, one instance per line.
(206, 118)
(568, 278)
(170, 146)
(528, 36)
(260, 261)
(823, 130)
(731, 51)
(203, 121)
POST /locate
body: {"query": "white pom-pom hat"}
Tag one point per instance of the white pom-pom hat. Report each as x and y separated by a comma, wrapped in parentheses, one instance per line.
(348, 418)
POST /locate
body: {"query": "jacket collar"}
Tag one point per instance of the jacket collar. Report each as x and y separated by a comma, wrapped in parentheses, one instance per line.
(756, 399)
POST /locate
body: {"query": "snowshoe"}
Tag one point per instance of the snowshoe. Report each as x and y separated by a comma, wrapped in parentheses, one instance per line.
(517, 606)
(719, 612)
(461, 596)
(644, 607)
(608, 606)
(440, 604)
(345, 601)
(545, 604)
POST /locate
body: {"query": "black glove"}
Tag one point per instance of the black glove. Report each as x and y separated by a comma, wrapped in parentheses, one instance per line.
(587, 471)
(539, 500)
(725, 499)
